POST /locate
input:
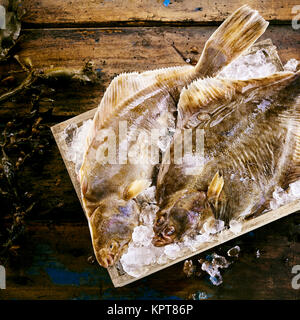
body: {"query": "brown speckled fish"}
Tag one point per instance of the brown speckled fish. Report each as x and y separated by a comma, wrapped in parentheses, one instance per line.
(144, 101)
(251, 145)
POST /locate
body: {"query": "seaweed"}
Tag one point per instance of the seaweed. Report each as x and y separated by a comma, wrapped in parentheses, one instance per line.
(25, 140)
(25, 143)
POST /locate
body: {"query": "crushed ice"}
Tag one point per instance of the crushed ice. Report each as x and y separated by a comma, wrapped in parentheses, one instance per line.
(75, 138)
(235, 226)
(212, 268)
(282, 197)
(213, 226)
(234, 252)
(199, 295)
(132, 260)
(254, 65)
(141, 253)
(291, 65)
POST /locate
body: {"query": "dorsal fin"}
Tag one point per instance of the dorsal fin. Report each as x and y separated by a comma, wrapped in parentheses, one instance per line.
(126, 86)
(203, 92)
(294, 172)
(122, 88)
(215, 187)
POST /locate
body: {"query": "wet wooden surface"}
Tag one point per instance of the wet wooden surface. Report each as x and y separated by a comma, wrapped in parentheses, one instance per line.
(119, 37)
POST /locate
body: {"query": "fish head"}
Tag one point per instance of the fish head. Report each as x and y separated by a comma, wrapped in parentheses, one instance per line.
(112, 231)
(181, 219)
(173, 227)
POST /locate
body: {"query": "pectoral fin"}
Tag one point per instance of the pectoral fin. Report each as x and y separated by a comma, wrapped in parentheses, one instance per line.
(135, 188)
(216, 197)
(215, 187)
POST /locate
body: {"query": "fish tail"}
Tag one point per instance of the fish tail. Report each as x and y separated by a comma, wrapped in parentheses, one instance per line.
(235, 35)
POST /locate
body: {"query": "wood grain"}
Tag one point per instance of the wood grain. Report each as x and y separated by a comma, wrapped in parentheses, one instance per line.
(113, 51)
(120, 50)
(150, 12)
(50, 268)
(120, 279)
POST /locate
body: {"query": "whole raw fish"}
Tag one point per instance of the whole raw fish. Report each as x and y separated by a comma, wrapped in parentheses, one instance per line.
(137, 103)
(251, 146)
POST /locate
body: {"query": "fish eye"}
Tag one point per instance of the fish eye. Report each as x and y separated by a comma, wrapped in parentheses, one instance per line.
(170, 230)
(160, 220)
(114, 244)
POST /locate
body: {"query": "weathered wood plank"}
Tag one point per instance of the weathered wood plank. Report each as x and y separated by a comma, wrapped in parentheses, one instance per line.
(120, 50)
(54, 265)
(121, 279)
(113, 51)
(140, 12)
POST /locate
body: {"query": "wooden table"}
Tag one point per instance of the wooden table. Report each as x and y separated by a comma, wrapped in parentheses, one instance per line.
(121, 36)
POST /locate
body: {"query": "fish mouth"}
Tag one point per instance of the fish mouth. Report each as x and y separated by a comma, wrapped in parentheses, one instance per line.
(106, 258)
(162, 240)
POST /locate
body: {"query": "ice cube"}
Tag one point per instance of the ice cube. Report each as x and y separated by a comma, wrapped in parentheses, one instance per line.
(254, 65)
(148, 212)
(142, 235)
(213, 226)
(148, 195)
(277, 194)
(172, 251)
(220, 261)
(203, 237)
(162, 259)
(136, 260)
(291, 65)
(212, 268)
(235, 226)
(193, 243)
(135, 270)
(294, 189)
(69, 133)
(234, 252)
(167, 119)
(213, 271)
(199, 295)
(189, 243)
(216, 280)
(282, 197)
(75, 138)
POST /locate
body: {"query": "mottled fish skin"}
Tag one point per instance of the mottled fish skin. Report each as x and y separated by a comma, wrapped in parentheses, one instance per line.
(145, 101)
(251, 145)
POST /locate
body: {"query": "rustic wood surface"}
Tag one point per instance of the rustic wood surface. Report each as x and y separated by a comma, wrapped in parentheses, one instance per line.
(149, 12)
(54, 261)
(120, 279)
